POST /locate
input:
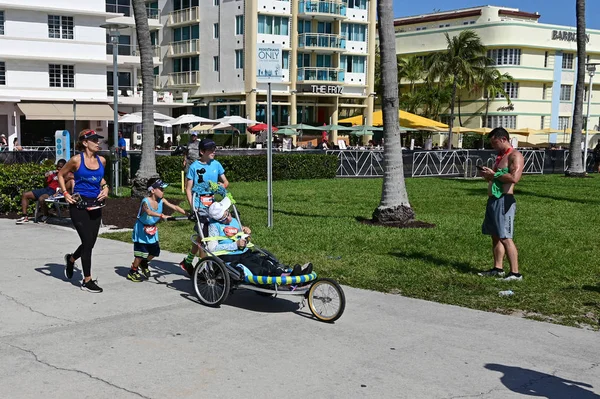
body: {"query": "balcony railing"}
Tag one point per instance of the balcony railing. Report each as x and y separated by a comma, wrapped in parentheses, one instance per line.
(157, 82)
(127, 11)
(321, 40)
(124, 91)
(129, 50)
(184, 47)
(189, 78)
(185, 16)
(331, 7)
(153, 13)
(320, 74)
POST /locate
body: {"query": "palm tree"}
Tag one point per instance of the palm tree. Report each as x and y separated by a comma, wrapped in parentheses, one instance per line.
(491, 82)
(394, 206)
(576, 167)
(411, 69)
(464, 57)
(147, 168)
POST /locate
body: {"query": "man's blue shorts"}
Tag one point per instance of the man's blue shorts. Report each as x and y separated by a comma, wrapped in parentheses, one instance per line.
(141, 250)
(42, 191)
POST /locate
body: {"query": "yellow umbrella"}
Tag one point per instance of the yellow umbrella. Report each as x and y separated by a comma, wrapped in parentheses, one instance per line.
(406, 120)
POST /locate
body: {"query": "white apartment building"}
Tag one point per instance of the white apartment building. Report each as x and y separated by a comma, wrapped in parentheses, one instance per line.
(542, 59)
(52, 53)
(327, 63)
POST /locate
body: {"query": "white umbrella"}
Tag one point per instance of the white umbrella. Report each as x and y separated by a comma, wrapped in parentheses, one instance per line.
(222, 126)
(234, 119)
(190, 118)
(157, 116)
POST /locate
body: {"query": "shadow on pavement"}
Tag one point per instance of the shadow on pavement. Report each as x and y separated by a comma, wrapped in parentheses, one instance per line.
(57, 271)
(534, 383)
(160, 269)
(250, 300)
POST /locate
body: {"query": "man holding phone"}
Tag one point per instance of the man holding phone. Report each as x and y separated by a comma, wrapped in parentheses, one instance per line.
(501, 204)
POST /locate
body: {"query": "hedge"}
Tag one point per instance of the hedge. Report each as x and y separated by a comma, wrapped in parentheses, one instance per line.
(18, 178)
(15, 179)
(254, 167)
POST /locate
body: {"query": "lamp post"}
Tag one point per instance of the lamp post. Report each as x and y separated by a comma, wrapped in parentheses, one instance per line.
(114, 33)
(591, 68)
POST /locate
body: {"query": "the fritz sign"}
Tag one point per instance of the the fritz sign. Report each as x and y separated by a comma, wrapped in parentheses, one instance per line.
(322, 89)
(567, 36)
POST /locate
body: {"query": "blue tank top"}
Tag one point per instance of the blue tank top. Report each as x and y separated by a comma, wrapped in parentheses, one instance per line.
(142, 232)
(87, 181)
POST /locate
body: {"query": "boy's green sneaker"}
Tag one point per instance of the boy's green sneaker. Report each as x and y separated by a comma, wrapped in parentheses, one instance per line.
(134, 276)
(145, 269)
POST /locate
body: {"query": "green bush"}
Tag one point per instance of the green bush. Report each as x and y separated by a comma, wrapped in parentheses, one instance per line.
(18, 178)
(254, 167)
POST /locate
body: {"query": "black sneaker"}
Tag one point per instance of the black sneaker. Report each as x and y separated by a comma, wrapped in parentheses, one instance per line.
(144, 268)
(69, 267)
(91, 286)
(134, 276)
(188, 267)
(304, 269)
(513, 277)
(493, 272)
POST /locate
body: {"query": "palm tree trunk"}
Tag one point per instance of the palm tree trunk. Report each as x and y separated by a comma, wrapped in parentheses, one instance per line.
(460, 123)
(147, 168)
(394, 206)
(487, 109)
(576, 167)
(451, 123)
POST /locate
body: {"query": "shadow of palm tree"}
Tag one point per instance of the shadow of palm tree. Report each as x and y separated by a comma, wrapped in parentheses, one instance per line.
(533, 383)
(593, 288)
(460, 266)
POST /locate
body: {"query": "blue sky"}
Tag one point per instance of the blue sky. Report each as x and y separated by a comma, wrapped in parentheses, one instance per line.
(560, 12)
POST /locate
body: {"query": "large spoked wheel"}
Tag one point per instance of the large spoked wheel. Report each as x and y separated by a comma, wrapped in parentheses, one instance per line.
(326, 300)
(211, 281)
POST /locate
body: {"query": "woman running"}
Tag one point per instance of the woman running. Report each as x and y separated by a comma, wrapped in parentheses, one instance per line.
(86, 202)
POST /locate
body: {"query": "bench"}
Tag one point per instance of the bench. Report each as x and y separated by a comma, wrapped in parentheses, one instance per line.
(50, 201)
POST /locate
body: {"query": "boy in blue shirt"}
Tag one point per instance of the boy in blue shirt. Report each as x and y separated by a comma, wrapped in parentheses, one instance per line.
(145, 232)
(200, 173)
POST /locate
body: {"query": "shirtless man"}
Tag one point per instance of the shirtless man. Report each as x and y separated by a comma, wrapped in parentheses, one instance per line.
(501, 205)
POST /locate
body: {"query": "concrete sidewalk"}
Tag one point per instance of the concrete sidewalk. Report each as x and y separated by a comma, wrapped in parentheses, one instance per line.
(153, 340)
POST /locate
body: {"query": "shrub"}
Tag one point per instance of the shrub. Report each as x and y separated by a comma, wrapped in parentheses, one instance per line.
(16, 179)
(254, 167)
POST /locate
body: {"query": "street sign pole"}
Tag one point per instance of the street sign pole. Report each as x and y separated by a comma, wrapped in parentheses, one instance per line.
(269, 157)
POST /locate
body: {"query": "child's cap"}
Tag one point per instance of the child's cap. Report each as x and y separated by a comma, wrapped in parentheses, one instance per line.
(157, 183)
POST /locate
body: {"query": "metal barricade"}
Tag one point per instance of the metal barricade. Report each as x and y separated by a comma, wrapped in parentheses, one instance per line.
(439, 163)
(358, 163)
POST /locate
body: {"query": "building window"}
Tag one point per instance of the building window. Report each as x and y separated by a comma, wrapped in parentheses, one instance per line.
(544, 87)
(119, 6)
(358, 4)
(2, 73)
(563, 122)
(511, 89)
(567, 61)
(60, 27)
(356, 32)
(273, 25)
(186, 64)
(546, 59)
(216, 31)
(565, 92)
(239, 24)
(505, 121)
(353, 63)
(1, 22)
(216, 63)
(215, 2)
(543, 122)
(422, 28)
(506, 56)
(61, 75)
(285, 60)
(239, 59)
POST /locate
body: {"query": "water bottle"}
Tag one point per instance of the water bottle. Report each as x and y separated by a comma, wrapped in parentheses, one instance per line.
(506, 293)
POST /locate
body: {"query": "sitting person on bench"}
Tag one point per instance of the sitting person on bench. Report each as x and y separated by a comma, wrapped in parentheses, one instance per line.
(231, 237)
(41, 194)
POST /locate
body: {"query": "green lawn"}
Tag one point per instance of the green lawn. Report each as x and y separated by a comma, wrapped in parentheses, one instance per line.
(557, 233)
